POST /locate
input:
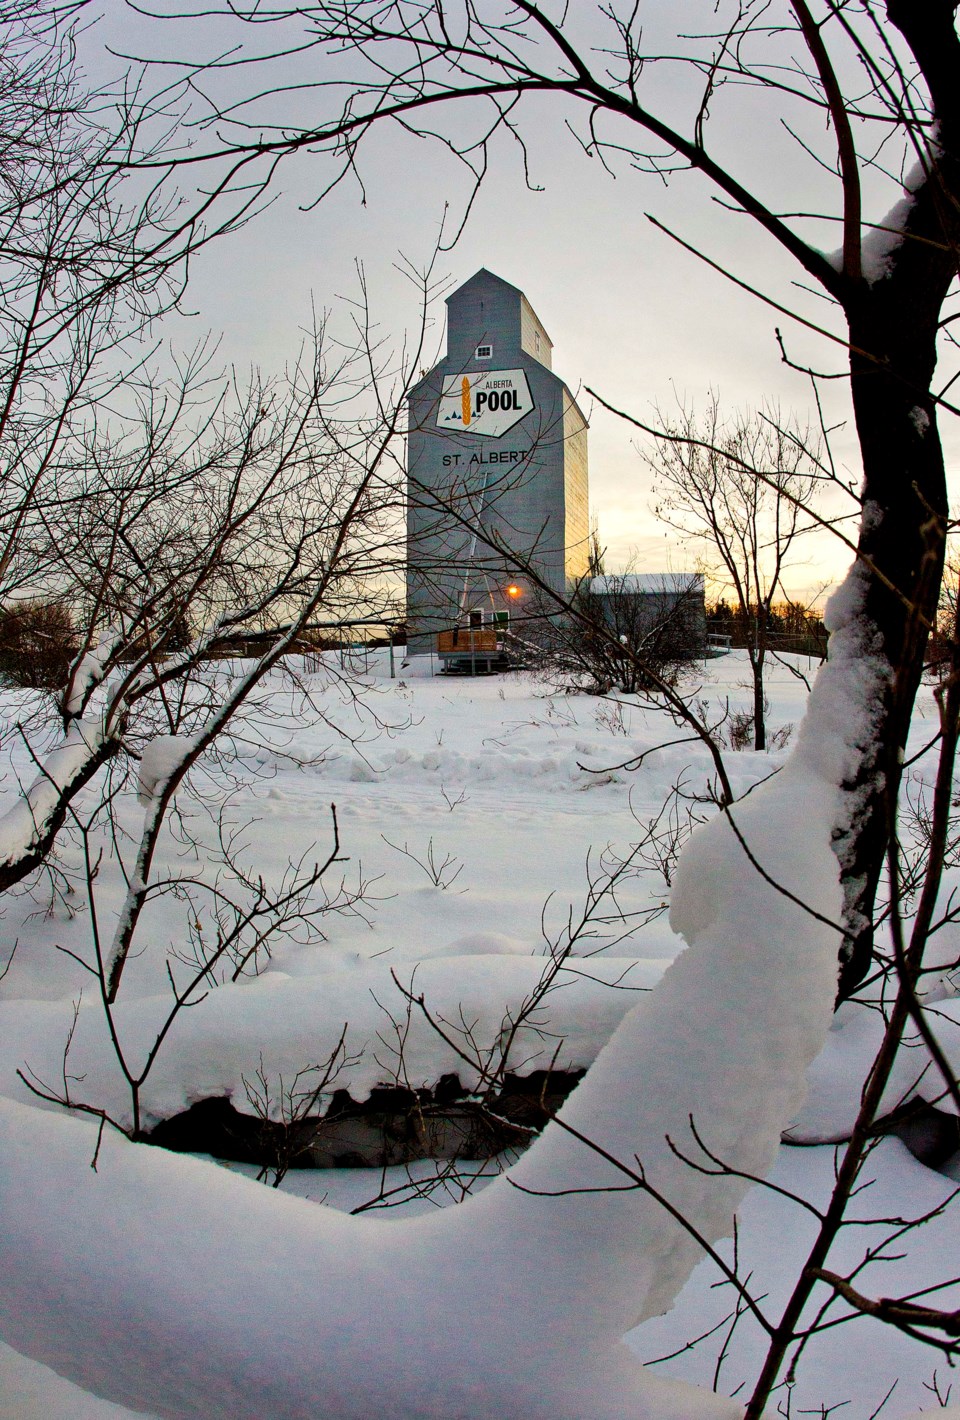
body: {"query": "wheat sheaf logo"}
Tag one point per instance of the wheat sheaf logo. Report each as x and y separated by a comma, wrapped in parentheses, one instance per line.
(484, 402)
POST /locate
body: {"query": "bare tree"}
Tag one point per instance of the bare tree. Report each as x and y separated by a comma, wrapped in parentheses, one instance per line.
(215, 518)
(252, 509)
(744, 492)
(91, 257)
(155, 506)
(164, 506)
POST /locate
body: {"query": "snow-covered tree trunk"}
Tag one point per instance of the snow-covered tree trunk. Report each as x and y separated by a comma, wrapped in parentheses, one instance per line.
(902, 544)
(893, 311)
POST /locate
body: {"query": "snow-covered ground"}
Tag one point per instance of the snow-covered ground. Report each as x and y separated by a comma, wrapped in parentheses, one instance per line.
(473, 815)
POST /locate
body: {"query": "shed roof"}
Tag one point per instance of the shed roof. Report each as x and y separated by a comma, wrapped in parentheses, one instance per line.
(645, 583)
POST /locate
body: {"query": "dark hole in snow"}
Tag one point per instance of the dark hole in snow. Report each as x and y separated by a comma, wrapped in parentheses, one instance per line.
(932, 1135)
(393, 1126)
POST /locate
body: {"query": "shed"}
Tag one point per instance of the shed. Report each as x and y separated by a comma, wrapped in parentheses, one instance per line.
(637, 605)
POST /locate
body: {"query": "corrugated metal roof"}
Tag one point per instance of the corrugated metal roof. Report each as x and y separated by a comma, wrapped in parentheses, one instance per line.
(640, 582)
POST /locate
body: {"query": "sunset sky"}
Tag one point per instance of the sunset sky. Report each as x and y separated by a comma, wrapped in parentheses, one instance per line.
(633, 315)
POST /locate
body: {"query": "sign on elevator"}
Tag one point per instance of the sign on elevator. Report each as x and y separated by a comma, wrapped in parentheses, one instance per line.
(484, 402)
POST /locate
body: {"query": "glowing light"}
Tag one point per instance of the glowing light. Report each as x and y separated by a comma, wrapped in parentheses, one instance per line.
(513, 590)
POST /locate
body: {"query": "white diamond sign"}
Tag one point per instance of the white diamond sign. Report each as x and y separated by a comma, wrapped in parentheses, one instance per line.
(484, 402)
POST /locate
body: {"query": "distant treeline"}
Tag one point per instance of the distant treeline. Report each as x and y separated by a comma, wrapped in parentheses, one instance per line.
(39, 641)
(789, 626)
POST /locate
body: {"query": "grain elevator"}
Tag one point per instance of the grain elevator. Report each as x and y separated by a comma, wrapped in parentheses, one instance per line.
(497, 484)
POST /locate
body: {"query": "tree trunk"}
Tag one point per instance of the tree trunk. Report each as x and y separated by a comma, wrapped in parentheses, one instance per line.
(759, 709)
(34, 820)
(902, 542)
(893, 320)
